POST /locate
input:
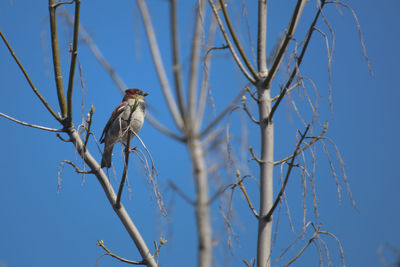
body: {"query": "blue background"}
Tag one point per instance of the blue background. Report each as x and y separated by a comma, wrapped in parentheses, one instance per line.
(40, 227)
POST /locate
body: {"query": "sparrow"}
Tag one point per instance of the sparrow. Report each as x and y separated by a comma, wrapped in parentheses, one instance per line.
(117, 127)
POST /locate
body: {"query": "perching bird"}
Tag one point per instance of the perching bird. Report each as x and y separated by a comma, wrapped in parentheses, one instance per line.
(116, 129)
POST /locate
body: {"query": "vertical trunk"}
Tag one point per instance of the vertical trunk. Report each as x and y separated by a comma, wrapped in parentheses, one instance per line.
(202, 207)
(266, 178)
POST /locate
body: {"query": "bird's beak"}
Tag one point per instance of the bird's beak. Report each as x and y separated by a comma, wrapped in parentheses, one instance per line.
(145, 94)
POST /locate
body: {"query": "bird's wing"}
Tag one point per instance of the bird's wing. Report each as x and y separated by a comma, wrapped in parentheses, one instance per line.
(114, 115)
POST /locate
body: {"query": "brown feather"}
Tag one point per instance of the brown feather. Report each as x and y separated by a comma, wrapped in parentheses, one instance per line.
(114, 115)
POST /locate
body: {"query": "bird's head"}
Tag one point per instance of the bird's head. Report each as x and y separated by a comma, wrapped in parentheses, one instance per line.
(134, 94)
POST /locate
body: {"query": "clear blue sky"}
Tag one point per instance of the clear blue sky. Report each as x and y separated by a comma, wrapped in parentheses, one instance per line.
(40, 227)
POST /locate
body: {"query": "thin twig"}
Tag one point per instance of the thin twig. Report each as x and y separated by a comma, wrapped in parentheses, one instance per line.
(285, 42)
(254, 156)
(228, 41)
(153, 179)
(57, 117)
(246, 19)
(158, 248)
(99, 258)
(77, 170)
(288, 90)
(127, 150)
(303, 249)
(74, 54)
(235, 39)
(89, 124)
(219, 192)
(293, 242)
(63, 3)
(291, 164)
(206, 73)
(56, 59)
(227, 217)
(240, 183)
(101, 244)
(343, 170)
(248, 111)
(62, 138)
(195, 61)
(31, 125)
(176, 59)
(315, 139)
(298, 62)
(330, 53)
(360, 35)
(181, 193)
(75, 167)
(251, 264)
(251, 94)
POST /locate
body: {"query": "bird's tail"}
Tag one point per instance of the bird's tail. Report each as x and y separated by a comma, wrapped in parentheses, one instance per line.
(107, 157)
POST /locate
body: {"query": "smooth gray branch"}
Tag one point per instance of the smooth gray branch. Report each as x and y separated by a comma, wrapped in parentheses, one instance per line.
(155, 51)
(231, 48)
(31, 125)
(285, 42)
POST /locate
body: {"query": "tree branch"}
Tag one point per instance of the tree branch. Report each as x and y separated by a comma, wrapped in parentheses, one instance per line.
(56, 59)
(31, 125)
(101, 244)
(176, 59)
(360, 35)
(285, 42)
(299, 60)
(195, 61)
(240, 183)
(206, 71)
(74, 54)
(156, 124)
(57, 117)
(278, 198)
(314, 236)
(236, 40)
(126, 162)
(74, 166)
(152, 175)
(262, 37)
(228, 41)
(166, 89)
(254, 156)
(89, 124)
(111, 196)
(248, 111)
(315, 139)
(181, 193)
(63, 3)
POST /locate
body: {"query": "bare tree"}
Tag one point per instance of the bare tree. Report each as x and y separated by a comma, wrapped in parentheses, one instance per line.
(187, 106)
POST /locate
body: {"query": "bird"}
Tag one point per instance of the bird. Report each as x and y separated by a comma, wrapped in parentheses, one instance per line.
(116, 130)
